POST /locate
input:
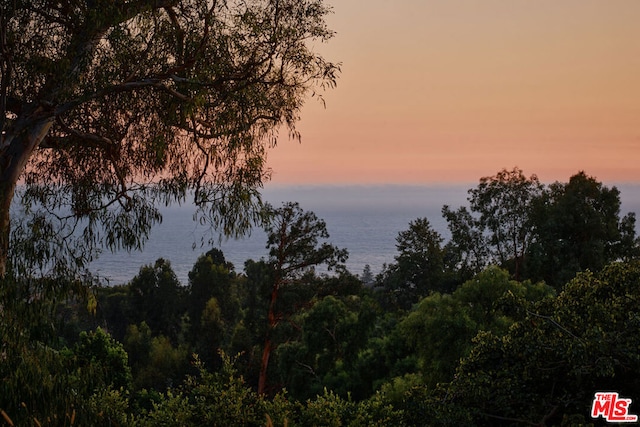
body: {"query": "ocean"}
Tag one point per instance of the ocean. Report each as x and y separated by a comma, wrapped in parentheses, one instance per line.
(363, 219)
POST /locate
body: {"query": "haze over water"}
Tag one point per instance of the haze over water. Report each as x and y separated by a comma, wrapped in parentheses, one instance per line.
(363, 219)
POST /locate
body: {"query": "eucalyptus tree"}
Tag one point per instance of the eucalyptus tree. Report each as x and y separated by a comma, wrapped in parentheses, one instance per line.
(112, 107)
(297, 244)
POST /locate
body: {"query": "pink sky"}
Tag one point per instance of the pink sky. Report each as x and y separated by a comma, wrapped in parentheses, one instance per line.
(451, 90)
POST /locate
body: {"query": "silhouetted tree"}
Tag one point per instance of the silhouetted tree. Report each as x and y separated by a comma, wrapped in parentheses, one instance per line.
(100, 99)
(503, 203)
(293, 240)
(577, 227)
(157, 298)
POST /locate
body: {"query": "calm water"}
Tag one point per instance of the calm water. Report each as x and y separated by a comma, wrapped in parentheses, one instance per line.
(363, 219)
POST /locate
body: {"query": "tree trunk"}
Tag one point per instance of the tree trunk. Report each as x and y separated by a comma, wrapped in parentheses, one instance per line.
(17, 146)
(266, 352)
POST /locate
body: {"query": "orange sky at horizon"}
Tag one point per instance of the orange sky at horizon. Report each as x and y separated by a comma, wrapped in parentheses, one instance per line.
(447, 91)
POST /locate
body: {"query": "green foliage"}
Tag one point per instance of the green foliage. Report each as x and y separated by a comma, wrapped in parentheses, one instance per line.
(137, 343)
(85, 385)
(106, 358)
(248, 335)
(397, 388)
(171, 409)
(419, 268)
(294, 242)
(157, 298)
(220, 399)
(295, 250)
(100, 366)
(441, 327)
(468, 251)
(504, 203)
(156, 363)
(367, 276)
(440, 330)
(114, 309)
(543, 233)
(331, 334)
(578, 227)
(492, 351)
(328, 409)
(549, 365)
(109, 407)
(34, 382)
(385, 355)
(211, 333)
(434, 407)
(212, 279)
(39, 378)
(257, 293)
(223, 399)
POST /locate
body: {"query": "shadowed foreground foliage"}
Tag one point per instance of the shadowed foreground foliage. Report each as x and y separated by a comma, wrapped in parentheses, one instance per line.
(523, 357)
(430, 341)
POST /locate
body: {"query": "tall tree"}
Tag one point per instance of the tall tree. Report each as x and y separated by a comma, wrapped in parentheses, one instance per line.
(332, 333)
(293, 240)
(210, 277)
(503, 205)
(468, 250)
(420, 256)
(578, 227)
(157, 298)
(419, 267)
(99, 99)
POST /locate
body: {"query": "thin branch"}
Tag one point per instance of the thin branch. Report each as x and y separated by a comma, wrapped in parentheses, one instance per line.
(182, 97)
(556, 324)
(245, 127)
(309, 369)
(206, 164)
(98, 140)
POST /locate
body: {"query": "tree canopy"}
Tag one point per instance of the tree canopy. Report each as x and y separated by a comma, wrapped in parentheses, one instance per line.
(108, 108)
(548, 366)
(294, 240)
(503, 203)
(419, 267)
(324, 349)
(578, 227)
(539, 232)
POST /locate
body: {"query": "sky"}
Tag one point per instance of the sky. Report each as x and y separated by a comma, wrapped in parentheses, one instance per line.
(448, 91)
